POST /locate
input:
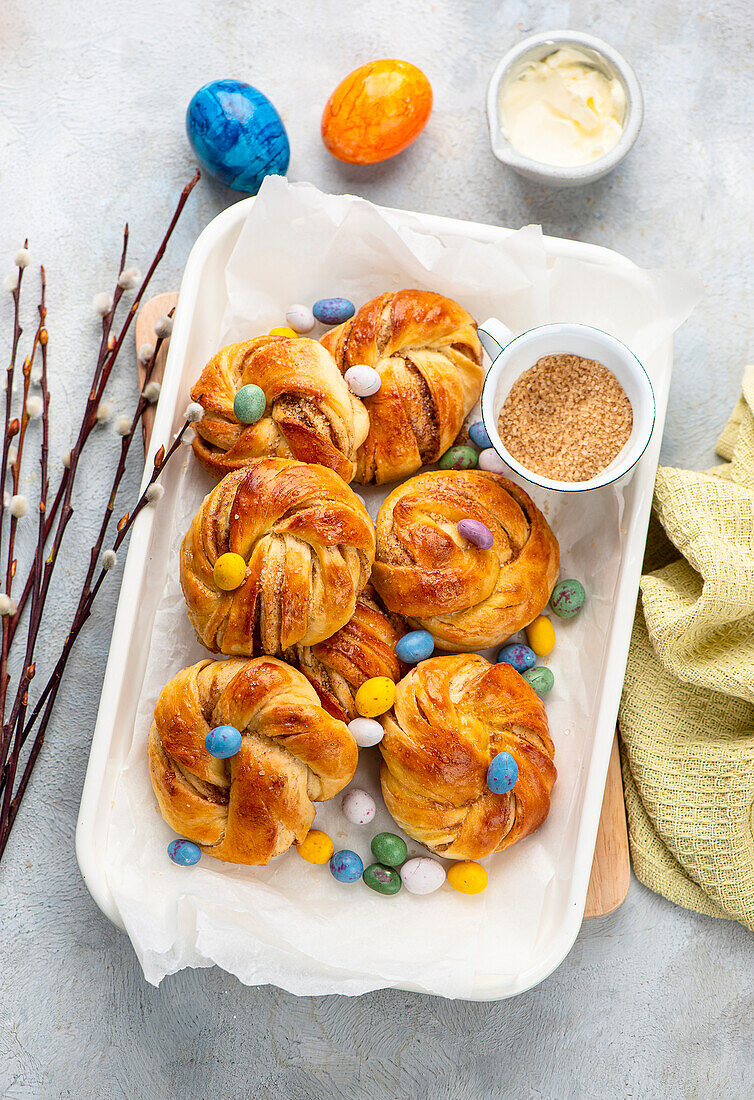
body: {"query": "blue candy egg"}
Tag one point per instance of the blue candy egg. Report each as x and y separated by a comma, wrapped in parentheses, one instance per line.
(478, 435)
(502, 773)
(415, 646)
(518, 655)
(223, 741)
(333, 311)
(184, 852)
(346, 866)
(237, 135)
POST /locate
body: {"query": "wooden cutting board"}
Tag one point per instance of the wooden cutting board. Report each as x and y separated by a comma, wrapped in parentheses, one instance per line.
(611, 871)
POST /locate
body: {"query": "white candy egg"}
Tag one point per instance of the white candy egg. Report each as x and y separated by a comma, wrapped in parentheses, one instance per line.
(366, 732)
(422, 875)
(490, 460)
(300, 318)
(363, 381)
(358, 806)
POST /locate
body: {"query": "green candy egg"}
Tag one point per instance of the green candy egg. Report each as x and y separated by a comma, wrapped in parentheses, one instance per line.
(383, 880)
(540, 679)
(567, 599)
(460, 457)
(249, 404)
(389, 849)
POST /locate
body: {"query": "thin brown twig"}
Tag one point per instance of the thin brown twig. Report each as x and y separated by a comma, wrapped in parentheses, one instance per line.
(18, 727)
(52, 686)
(18, 720)
(106, 361)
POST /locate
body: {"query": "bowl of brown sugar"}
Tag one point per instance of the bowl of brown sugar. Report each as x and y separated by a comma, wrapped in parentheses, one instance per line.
(566, 406)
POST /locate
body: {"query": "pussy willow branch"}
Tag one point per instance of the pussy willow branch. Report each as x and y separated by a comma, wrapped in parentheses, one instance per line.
(18, 728)
(19, 709)
(106, 360)
(17, 331)
(83, 612)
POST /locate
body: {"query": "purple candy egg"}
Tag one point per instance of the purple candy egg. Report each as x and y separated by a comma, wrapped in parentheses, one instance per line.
(477, 533)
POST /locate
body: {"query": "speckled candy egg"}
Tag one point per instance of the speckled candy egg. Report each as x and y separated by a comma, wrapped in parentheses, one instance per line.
(383, 880)
(540, 678)
(459, 457)
(376, 112)
(300, 318)
(333, 311)
(375, 696)
(422, 875)
(518, 655)
(477, 533)
(491, 461)
(346, 866)
(567, 599)
(358, 806)
(237, 135)
(184, 852)
(415, 646)
(249, 404)
(362, 381)
(389, 849)
(223, 742)
(502, 774)
(478, 435)
(366, 732)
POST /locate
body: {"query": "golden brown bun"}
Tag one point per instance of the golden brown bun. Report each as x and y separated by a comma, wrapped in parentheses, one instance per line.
(452, 716)
(363, 648)
(311, 414)
(467, 598)
(254, 805)
(427, 352)
(308, 542)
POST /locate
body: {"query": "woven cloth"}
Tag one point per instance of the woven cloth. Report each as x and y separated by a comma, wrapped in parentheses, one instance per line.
(687, 714)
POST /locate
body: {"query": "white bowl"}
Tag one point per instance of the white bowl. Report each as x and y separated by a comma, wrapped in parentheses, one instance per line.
(512, 355)
(605, 58)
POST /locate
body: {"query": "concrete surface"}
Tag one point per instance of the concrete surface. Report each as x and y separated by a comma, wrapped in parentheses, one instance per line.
(652, 1001)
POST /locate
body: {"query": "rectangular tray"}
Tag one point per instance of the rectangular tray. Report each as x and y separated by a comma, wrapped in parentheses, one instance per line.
(202, 301)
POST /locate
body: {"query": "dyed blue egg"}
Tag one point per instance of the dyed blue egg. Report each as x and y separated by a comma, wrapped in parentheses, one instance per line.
(223, 741)
(333, 311)
(184, 852)
(502, 773)
(237, 135)
(346, 866)
(518, 655)
(415, 646)
(478, 436)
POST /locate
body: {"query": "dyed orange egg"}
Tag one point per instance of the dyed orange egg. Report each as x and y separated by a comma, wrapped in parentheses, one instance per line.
(376, 112)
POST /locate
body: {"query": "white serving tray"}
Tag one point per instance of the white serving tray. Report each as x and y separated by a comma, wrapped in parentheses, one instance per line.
(201, 304)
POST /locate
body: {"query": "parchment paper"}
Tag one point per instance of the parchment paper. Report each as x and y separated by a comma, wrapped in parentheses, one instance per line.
(290, 923)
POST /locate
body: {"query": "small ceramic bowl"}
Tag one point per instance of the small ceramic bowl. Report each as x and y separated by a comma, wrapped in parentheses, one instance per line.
(512, 355)
(605, 58)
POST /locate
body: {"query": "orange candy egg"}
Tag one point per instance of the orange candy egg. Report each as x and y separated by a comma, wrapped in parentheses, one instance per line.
(376, 112)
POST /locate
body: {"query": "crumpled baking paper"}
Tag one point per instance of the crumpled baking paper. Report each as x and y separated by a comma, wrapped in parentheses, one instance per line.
(291, 924)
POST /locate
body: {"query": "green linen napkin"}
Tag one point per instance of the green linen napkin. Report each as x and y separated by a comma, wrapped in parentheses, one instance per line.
(687, 713)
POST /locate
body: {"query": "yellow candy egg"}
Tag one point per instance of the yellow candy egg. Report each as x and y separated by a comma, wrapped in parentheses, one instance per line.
(468, 878)
(283, 331)
(316, 847)
(541, 636)
(229, 571)
(375, 696)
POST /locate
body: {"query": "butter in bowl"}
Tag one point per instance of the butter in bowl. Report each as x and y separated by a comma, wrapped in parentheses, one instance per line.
(563, 108)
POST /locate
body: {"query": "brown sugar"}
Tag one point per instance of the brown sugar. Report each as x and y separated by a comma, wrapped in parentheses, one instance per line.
(566, 418)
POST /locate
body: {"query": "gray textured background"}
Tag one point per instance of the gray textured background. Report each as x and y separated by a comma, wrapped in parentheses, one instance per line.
(652, 1001)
